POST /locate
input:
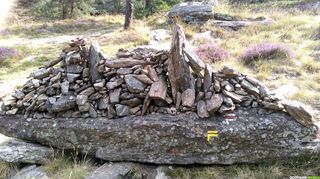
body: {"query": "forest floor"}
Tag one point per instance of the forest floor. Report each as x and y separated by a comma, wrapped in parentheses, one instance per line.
(40, 41)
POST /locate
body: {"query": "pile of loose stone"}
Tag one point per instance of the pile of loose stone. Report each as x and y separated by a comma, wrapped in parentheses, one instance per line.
(83, 82)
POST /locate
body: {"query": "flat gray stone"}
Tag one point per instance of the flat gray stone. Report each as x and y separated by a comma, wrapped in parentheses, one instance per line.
(18, 151)
(300, 112)
(64, 103)
(111, 171)
(31, 172)
(122, 110)
(113, 84)
(81, 99)
(134, 85)
(41, 73)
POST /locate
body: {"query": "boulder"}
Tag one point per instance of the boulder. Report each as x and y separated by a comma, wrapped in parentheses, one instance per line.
(31, 172)
(192, 12)
(249, 136)
(17, 151)
(111, 171)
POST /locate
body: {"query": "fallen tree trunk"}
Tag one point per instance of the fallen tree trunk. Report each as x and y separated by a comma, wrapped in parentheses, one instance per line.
(246, 136)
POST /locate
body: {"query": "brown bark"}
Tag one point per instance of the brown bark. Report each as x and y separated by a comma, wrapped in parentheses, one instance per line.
(64, 9)
(72, 8)
(128, 14)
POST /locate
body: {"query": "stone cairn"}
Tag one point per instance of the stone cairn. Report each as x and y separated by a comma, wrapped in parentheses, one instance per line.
(89, 84)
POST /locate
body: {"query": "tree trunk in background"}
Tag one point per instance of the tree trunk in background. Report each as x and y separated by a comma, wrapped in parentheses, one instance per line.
(72, 8)
(148, 4)
(129, 13)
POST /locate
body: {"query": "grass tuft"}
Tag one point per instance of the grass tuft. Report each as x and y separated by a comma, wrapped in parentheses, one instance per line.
(67, 168)
(6, 169)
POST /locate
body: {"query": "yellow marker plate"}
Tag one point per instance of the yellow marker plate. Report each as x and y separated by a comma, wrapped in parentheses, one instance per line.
(212, 134)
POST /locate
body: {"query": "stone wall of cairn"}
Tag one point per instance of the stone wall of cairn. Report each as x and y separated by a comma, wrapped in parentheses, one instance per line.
(83, 82)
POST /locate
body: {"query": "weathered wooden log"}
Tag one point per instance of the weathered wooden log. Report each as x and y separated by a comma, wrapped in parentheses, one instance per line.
(246, 136)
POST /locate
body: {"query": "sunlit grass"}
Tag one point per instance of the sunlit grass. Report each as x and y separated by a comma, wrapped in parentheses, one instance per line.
(272, 169)
(6, 169)
(22, 65)
(63, 167)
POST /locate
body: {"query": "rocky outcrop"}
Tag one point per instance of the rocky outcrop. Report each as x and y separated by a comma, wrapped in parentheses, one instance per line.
(237, 24)
(192, 12)
(247, 135)
(17, 151)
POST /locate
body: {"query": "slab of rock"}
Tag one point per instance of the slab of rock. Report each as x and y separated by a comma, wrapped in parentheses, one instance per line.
(103, 103)
(250, 88)
(134, 85)
(64, 103)
(132, 102)
(41, 73)
(94, 59)
(31, 172)
(99, 85)
(158, 89)
(300, 112)
(238, 24)
(113, 84)
(114, 95)
(207, 80)
(192, 12)
(77, 69)
(12, 111)
(180, 139)
(214, 103)
(18, 94)
(229, 71)
(124, 71)
(18, 151)
(188, 97)
(111, 171)
(144, 79)
(124, 63)
(195, 62)
(65, 87)
(235, 97)
(122, 110)
(81, 99)
(178, 70)
(72, 77)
